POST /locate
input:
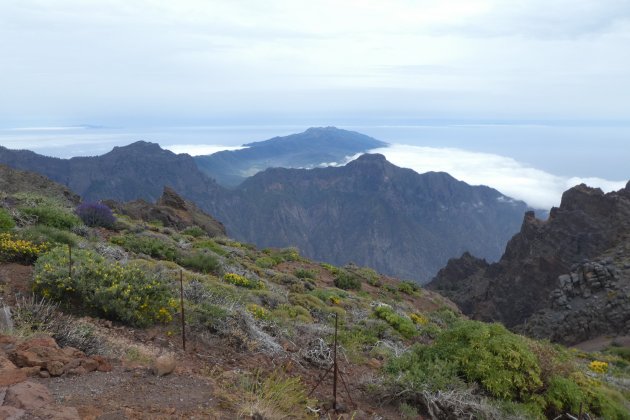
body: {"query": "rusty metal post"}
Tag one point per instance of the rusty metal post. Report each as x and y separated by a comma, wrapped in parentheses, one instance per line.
(336, 370)
(70, 260)
(181, 301)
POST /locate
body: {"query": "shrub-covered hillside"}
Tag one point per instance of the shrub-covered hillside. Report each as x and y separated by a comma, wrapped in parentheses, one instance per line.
(259, 328)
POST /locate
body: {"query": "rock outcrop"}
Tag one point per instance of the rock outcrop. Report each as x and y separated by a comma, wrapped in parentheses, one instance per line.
(566, 278)
(21, 397)
(172, 211)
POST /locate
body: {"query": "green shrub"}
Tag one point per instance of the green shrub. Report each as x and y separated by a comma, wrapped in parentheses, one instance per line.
(147, 245)
(194, 231)
(302, 273)
(206, 316)
(125, 293)
(6, 221)
(292, 312)
(267, 262)
(52, 216)
(212, 246)
(331, 268)
(43, 233)
(487, 354)
(347, 281)
(409, 288)
(370, 276)
(203, 263)
(564, 395)
(400, 323)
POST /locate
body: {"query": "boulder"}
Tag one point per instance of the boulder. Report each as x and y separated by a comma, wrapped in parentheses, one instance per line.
(11, 413)
(9, 373)
(28, 396)
(164, 365)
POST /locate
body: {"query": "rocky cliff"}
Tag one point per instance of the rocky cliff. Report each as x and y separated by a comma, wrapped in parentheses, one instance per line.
(171, 210)
(566, 278)
(372, 213)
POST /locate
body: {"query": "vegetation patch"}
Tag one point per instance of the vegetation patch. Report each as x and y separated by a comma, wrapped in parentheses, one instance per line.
(125, 293)
(52, 216)
(242, 281)
(148, 245)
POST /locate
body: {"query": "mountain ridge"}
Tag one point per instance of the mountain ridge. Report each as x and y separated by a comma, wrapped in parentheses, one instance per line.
(352, 213)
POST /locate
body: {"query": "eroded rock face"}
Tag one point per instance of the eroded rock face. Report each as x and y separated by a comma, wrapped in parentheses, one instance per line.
(566, 278)
(40, 356)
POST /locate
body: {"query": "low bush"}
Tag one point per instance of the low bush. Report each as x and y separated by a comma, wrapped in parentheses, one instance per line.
(206, 317)
(211, 245)
(403, 325)
(6, 221)
(242, 281)
(52, 235)
(275, 397)
(201, 262)
(142, 244)
(125, 293)
(52, 216)
(409, 288)
(96, 215)
(302, 273)
(194, 231)
(347, 281)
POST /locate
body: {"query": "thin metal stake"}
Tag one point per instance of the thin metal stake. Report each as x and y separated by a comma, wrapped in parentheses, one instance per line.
(335, 366)
(320, 381)
(70, 260)
(181, 295)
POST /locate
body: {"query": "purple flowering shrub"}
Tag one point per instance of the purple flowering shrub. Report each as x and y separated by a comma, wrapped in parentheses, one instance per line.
(96, 215)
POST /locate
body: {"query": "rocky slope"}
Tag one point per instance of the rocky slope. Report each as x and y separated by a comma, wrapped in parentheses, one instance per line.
(567, 278)
(310, 149)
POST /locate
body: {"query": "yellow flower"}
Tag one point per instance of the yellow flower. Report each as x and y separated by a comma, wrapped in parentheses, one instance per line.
(598, 366)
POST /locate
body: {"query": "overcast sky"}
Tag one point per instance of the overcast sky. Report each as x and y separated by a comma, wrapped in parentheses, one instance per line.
(138, 64)
(147, 61)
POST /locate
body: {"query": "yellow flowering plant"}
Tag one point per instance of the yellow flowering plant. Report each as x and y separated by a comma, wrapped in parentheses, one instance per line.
(125, 293)
(598, 366)
(19, 250)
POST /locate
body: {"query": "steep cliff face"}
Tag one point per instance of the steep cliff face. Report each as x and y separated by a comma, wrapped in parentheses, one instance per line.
(576, 261)
(372, 213)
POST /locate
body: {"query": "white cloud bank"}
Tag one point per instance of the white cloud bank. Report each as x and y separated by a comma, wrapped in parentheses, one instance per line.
(536, 187)
(199, 149)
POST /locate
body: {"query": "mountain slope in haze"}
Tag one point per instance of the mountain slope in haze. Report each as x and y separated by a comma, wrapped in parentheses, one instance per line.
(369, 212)
(137, 171)
(567, 278)
(312, 148)
(372, 213)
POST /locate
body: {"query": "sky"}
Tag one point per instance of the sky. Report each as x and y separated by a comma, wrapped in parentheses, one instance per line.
(152, 67)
